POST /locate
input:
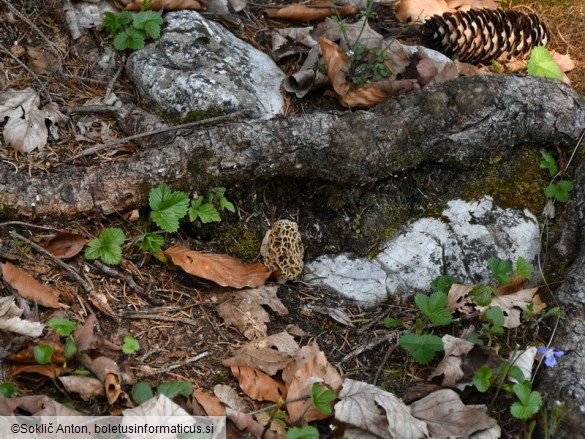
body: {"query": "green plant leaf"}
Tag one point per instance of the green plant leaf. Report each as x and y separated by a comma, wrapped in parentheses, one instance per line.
(227, 205)
(63, 327)
(444, 283)
(516, 373)
(434, 307)
(422, 347)
(206, 212)
(496, 315)
(150, 21)
(482, 294)
(167, 207)
(321, 397)
(130, 345)
(391, 322)
(142, 392)
(129, 38)
(554, 312)
(113, 23)
(500, 269)
(482, 378)
(559, 191)
(541, 63)
(174, 388)
(528, 403)
(304, 432)
(151, 242)
(8, 389)
(70, 347)
(524, 268)
(43, 353)
(107, 247)
(548, 162)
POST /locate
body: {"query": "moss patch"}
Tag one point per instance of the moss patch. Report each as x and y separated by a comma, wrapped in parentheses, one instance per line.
(241, 242)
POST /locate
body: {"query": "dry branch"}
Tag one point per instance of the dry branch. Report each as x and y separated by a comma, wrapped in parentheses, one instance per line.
(456, 123)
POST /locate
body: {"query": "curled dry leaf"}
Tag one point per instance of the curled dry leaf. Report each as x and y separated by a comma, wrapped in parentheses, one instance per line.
(51, 371)
(28, 287)
(210, 403)
(224, 270)
(259, 386)
(107, 372)
(321, 9)
(450, 365)
(245, 421)
(85, 387)
(168, 5)
(62, 245)
(10, 319)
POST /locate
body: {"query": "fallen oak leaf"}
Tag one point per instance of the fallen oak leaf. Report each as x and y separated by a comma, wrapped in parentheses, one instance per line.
(224, 270)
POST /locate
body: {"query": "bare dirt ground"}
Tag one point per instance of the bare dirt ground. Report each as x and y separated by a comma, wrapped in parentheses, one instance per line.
(172, 314)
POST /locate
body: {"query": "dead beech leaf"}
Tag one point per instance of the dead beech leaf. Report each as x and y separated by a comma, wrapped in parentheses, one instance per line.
(85, 387)
(516, 282)
(11, 321)
(224, 270)
(321, 9)
(514, 304)
(40, 405)
(62, 245)
(28, 287)
(450, 365)
(210, 403)
(446, 416)
(410, 11)
(168, 5)
(457, 299)
(49, 370)
(257, 385)
(245, 312)
(377, 412)
(245, 421)
(107, 371)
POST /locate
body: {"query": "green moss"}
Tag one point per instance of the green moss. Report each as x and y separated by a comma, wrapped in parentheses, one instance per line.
(192, 116)
(241, 242)
(8, 214)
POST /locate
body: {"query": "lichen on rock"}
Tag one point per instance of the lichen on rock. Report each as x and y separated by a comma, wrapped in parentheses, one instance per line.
(282, 250)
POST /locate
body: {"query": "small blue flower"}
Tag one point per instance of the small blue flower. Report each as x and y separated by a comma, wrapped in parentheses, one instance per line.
(550, 355)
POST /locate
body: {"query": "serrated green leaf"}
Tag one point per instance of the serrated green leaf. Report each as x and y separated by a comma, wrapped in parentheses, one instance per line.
(548, 162)
(206, 212)
(541, 63)
(444, 283)
(524, 268)
(227, 205)
(142, 392)
(63, 327)
(304, 432)
(107, 247)
(559, 191)
(43, 353)
(321, 397)
(422, 301)
(391, 322)
(422, 347)
(500, 269)
(130, 345)
(111, 23)
(174, 388)
(496, 315)
(482, 294)
(151, 242)
(529, 402)
(70, 347)
(434, 307)
(149, 21)
(482, 378)
(516, 373)
(8, 389)
(167, 207)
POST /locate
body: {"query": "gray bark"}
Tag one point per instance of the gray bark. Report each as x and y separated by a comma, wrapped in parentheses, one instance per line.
(456, 123)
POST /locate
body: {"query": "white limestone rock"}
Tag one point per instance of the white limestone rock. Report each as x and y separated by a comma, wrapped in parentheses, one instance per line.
(197, 67)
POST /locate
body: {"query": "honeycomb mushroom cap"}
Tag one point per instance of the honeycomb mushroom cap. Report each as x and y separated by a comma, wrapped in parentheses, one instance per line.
(282, 250)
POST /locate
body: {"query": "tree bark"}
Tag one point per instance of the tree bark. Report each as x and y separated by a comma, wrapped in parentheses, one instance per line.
(456, 123)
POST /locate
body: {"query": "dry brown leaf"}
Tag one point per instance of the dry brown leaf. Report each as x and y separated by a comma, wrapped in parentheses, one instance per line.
(85, 387)
(245, 421)
(514, 304)
(473, 4)
(224, 270)
(410, 11)
(269, 354)
(314, 369)
(457, 299)
(26, 354)
(450, 365)
(230, 398)
(321, 9)
(210, 403)
(244, 310)
(40, 405)
(516, 282)
(84, 335)
(564, 61)
(259, 386)
(107, 371)
(49, 370)
(62, 245)
(28, 287)
(446, 416)
(168, 5)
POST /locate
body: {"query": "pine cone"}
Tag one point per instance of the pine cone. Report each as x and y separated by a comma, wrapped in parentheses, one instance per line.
(479, 36)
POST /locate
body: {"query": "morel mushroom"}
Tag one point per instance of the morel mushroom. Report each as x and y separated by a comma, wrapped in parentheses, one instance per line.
(282, 250)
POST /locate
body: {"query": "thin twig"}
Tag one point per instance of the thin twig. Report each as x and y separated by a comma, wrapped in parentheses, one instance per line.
(175, 366)
(101, 146)
(113, 80)
(162, 319)
(24, 66)
(24, 224)
(94, 109)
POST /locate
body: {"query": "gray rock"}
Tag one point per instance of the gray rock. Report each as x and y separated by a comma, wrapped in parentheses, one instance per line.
(199, 69)
(458, 244)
